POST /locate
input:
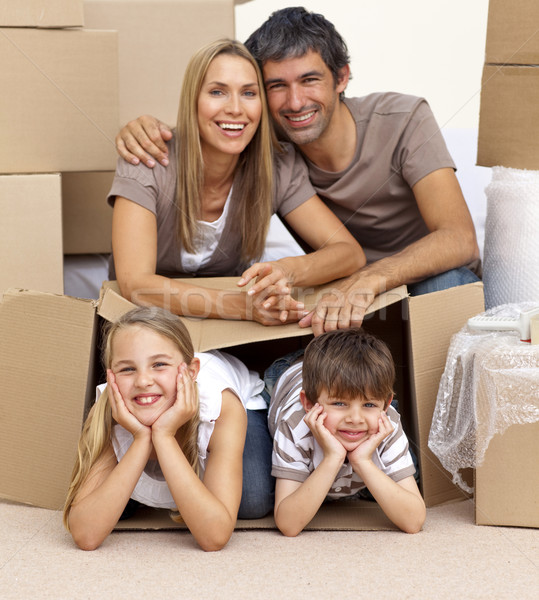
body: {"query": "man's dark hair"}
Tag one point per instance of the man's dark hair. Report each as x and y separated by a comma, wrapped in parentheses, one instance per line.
(294, 31)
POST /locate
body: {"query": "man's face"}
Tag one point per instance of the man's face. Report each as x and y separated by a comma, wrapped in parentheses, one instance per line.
(302, 96)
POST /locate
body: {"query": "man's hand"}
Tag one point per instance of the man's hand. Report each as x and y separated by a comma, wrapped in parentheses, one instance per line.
(343, 307)
(143, 140)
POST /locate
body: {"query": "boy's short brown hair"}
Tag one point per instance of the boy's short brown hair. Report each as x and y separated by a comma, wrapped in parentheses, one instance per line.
(348, 363)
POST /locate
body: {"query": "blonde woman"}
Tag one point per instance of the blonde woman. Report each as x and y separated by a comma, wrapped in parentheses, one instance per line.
(207, 212)
(167, 430)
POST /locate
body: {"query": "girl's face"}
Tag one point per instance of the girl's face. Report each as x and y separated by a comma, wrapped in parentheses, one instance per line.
(229, 105)
(145, 365)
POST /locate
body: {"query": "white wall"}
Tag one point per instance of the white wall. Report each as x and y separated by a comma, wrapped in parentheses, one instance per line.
(429, 48)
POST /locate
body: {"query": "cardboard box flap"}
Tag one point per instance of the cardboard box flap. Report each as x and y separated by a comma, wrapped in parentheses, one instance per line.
(46, 359)
(213, 334)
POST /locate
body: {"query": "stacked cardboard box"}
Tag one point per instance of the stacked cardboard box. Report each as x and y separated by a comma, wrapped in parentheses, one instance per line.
(156, 38)
(58, 335)
(58, 112)
(507, 482)
(509, 114)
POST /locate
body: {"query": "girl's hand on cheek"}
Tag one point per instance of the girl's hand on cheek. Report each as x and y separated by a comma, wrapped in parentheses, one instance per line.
(315, 422)
(120, 412)
(184, 408)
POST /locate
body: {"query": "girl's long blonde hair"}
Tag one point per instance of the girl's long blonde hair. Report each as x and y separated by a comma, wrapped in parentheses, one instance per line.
(253, 184)
(96, 433)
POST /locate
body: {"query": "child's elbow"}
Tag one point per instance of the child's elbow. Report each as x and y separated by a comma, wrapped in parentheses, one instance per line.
(289, 529)
(415, 523)
(87, 542)
(215, 541)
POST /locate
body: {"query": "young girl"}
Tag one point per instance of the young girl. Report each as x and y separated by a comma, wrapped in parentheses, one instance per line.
(167, 430)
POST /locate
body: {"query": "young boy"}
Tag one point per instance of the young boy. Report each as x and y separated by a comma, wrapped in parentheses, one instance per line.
(335, 433)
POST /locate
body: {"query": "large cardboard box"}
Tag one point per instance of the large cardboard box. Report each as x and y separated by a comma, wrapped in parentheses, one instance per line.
(86, 215)
(59, 100)
(31, 233)
(41, 13)
(512, 32)
(156, 41)
(509, 117)
(507, 483)
(57, 335)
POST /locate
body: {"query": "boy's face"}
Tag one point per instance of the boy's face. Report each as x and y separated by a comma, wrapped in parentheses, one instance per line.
(350, 420)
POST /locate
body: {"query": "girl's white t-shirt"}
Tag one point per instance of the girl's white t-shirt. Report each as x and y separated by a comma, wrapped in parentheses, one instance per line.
(218, 372)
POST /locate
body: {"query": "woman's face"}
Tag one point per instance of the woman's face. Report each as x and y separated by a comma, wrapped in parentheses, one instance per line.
(229, 105)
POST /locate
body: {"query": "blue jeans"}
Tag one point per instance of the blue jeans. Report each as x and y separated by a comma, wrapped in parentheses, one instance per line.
(443, 281)
(258, 495)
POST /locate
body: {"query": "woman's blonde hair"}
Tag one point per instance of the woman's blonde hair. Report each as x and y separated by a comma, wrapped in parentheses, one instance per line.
(253, 184)
(96, 433)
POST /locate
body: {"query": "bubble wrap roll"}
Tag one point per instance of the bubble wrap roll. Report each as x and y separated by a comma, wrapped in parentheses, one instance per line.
(490, 382)
(511, 251)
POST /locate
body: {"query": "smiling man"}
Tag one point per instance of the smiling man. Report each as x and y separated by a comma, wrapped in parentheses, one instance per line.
(379, 162)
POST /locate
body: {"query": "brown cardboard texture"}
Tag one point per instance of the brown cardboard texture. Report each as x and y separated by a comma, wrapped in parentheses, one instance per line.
(151, 73)
(512, 32)
(509, 117)
(86, 215)
(507, 483)
(47, 364)
(59, 100)
(31, 232)
(41, 13)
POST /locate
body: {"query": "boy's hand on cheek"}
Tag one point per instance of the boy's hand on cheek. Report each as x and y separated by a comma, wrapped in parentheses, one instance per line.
(330, 444)
(364, 451)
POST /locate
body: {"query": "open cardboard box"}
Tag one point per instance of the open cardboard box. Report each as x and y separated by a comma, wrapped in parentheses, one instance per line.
(49, 366)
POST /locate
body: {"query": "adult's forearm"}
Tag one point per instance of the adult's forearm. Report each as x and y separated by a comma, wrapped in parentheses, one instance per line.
(436, 253)
(184, 298)
(327, 264)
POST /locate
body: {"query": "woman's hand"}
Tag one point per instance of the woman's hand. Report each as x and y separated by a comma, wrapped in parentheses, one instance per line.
(365, 449)
(184, 408)
(120, 412)
(329, 443)
(271, 293)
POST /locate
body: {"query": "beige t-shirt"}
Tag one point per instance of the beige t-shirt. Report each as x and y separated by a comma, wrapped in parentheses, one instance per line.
(398, 143)
(155, 190)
